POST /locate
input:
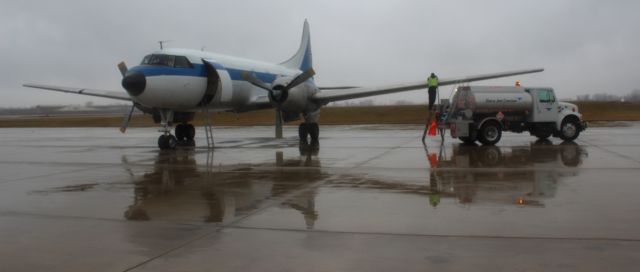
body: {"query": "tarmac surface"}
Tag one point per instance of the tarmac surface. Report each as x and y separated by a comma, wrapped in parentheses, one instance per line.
(371, 199)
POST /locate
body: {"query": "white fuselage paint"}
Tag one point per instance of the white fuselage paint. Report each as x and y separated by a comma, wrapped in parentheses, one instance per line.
(172, 92)
(184, 92)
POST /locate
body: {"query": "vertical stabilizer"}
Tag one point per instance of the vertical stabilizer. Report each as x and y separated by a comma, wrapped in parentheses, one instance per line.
(303, 59)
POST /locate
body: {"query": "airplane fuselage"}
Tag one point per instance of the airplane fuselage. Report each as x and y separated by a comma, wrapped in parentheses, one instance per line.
(206, 80)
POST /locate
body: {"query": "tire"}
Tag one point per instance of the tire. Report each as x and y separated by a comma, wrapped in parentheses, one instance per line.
(181, 132)
(490, 133)
(569, 130)
(314, 133)
(167, 142)
(190, 132)
(303, 134)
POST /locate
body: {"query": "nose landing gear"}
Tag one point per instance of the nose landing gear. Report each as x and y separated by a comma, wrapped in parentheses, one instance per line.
(167, 141)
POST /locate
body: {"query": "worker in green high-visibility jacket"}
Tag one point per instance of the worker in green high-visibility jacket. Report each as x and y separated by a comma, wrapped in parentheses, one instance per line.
(432, 82)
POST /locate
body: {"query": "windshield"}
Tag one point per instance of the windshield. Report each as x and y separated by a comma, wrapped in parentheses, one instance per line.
(166, 60)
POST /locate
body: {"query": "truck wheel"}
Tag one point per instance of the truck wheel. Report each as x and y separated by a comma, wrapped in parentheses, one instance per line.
(490, 133)
(569, 130)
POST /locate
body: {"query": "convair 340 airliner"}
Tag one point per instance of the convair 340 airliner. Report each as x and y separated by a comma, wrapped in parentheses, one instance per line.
(173, 84)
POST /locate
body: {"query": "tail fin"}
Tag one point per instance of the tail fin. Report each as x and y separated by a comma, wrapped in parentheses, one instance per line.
(303, 59)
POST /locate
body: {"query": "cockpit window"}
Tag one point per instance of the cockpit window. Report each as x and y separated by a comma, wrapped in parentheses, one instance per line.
(182, 62)
(166, 60)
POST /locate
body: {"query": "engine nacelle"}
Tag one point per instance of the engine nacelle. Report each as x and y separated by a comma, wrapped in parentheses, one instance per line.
(294, 100)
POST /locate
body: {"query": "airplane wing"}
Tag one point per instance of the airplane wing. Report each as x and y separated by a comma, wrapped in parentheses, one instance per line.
(325, 97)
(89, 92)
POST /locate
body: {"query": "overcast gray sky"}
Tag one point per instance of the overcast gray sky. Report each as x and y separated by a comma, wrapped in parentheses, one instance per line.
(586, 46)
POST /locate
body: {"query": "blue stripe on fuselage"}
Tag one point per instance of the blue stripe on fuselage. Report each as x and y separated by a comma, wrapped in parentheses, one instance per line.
(198, 70)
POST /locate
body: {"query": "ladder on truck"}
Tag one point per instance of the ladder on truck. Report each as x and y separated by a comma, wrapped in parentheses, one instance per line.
(439, 107)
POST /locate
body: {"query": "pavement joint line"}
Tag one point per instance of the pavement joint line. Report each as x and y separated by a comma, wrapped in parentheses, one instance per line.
(612, 152)
(86, 218)
(269, 204)
(95, 166)
(440, 235)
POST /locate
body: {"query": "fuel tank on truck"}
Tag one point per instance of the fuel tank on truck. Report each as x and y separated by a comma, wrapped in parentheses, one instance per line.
(492, 99)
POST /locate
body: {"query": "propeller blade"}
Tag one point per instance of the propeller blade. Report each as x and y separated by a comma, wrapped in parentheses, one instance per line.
(278, 124)
(125, 122)
(301, 78)
(251, 78)
(123, 68)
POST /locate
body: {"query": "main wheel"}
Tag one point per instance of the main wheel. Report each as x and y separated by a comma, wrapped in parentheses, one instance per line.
(490, 133)
(181, 132)
(569, 130)
(303, 133)
(314, 132)
(166, 142)
(190, 132)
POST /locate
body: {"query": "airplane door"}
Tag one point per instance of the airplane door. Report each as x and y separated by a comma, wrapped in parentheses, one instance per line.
(213, 84)
(545, 105)
(219, 83)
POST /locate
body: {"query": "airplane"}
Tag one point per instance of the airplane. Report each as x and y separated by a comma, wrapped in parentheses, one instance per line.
(173, 84)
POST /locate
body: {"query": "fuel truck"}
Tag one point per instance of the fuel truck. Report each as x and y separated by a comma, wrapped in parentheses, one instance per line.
(482, 113)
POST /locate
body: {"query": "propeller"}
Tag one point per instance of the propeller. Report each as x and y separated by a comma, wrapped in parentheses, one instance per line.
(125, 123)
(279, 94)
(301, 78)
(127, 118)
(123, 68)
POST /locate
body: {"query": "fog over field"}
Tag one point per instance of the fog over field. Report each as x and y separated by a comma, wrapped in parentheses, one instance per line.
(586, 46)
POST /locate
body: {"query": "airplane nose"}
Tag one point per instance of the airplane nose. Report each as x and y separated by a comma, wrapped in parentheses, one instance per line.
(134, 83)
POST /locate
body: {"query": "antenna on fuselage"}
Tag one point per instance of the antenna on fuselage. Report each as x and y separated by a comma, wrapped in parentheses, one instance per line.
(162, 44)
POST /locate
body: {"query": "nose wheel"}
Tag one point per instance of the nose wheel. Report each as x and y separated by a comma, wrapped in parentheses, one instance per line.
(167, 141)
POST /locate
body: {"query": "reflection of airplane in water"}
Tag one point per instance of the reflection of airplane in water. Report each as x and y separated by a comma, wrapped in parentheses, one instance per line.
(176, 188)
(521, 175)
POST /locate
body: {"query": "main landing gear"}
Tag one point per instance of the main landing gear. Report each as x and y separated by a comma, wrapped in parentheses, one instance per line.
(186, 134)
(306, 131)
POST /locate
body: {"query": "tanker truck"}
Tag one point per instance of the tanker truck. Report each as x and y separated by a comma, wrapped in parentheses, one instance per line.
(482, 113)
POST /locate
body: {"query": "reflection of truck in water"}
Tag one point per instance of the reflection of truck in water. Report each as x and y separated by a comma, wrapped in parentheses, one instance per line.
(518, 175)
(481, 113)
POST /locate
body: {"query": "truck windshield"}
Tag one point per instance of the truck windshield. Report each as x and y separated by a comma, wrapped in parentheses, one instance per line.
(546, 96)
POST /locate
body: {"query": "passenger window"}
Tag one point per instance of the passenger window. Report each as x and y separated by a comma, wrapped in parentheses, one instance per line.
(182, 62)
